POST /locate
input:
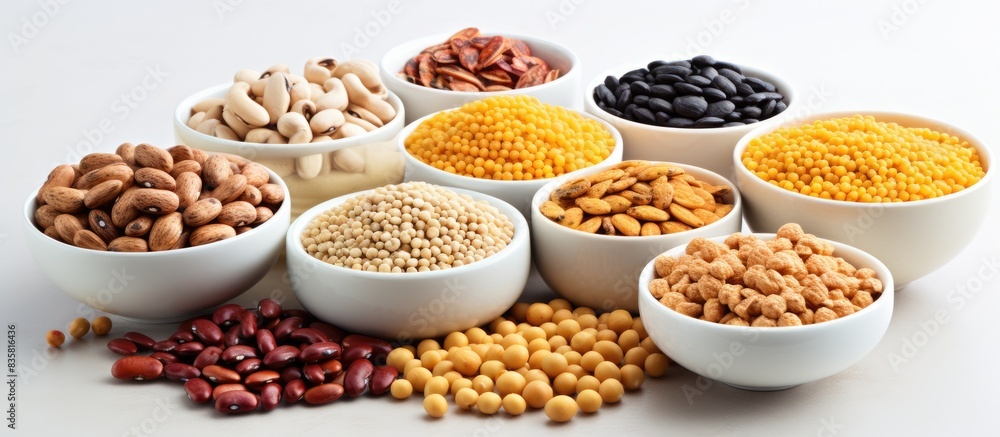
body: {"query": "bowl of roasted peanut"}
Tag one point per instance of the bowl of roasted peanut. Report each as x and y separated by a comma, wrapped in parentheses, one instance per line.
(593, 231)
(439, 72)
(327, 131)
(766, 311)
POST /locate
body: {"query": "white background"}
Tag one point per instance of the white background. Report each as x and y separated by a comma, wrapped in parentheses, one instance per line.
(64, 76)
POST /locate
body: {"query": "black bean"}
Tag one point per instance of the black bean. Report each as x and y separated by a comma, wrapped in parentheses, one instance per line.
(780, 107)
(759, 84)
(640, 88)
(709, 122)
(643, 115)
(734, 124)
(720, 65)
(621, 89)
(731, 75)
(660, 105)
(637, 71)
(703, 61)
(709, 72)
(720, 109)
(698, 80)
(668, 79)
(652, 65)
(603, 94)
(769, 109)
(673, 69)
(690, 106)
(713, 94)
(738, 100)
(624, 98)
(688, 89)
(611, 82)
(725, 85)
(751, 112)
(641, 100)
(662, 118)
(760, 97)
(734, 116)
(743, 89)
(631, 77)
(614, 112)
(663, 91)
(679, 122)
(685, 64)
(629, 110)
(649, 77)
(750, 120)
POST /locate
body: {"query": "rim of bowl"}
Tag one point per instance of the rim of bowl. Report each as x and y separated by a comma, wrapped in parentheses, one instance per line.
(428, 40)
(870, 261)
(791, 100)
(454, 178)
(985, 155)
(28, 214)
(183, 109)
(521, 237)
(547, 189)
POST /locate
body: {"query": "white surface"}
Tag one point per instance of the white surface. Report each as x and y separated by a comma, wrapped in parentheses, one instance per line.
(933, 373)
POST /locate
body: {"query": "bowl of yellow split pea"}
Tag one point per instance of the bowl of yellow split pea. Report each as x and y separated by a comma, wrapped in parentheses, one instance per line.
(910, 190)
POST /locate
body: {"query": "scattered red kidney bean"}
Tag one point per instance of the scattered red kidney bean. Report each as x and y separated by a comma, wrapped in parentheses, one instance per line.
(246, 358)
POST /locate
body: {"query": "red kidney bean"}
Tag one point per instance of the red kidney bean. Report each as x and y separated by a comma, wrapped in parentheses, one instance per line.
(165, 346)
(210, 355)
(380, 348)
(186, 325)
(285, 327)
(223, 388)
(291, 373)
(140, 340)
(249, 366)
(308, 335)
(324, 393)
(227, 315)
(269, 324)
(265, 341)
(122, 346)
(137, 367)
(381, 379)
(281, 356)
(334, 333)
(180, 372)
(232, 337)
(259, 378)
(248, 324)
(189, 349)
(357, 376)
(164, 357)
(339, 377)
(322, 351)
(270, 396)
(236, 402)
(302, 314)
(269, 308)
(332, 368)
(182, 337)
(356, 352)
(198, 390)
(314, 374)
(294, 390)
(220, 375)
(207, 331)
(238, 352)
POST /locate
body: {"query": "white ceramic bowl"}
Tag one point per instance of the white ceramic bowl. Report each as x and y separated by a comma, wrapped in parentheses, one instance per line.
(383, 163)
(768, 358)
(404, 306)
(706, 148)
(517, 193)
(420, 100)
(912, 238)
(602, 271)
(159, 287)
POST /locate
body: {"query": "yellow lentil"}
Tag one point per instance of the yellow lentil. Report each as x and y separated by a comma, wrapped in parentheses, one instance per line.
(860, 159)
(510, 138)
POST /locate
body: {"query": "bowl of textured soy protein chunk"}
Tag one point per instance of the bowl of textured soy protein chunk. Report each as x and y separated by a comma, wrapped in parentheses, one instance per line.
(410, 260)
(506, 146)
(690, 111)
(910, 190)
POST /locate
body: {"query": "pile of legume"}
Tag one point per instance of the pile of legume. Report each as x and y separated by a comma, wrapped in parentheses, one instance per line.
(541, 355)
(860, 159)
(510, 138)
(409, 227)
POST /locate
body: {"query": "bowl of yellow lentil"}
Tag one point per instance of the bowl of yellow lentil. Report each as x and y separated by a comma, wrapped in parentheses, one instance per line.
(910, 190)
(506, 146)
(410, 260)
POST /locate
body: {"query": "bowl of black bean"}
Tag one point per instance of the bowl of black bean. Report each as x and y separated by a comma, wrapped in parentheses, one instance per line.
(690, 111)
